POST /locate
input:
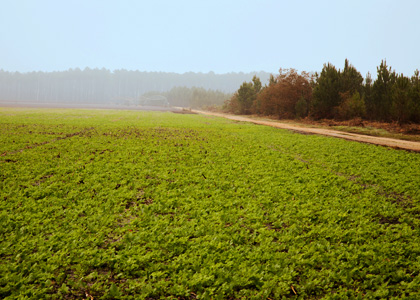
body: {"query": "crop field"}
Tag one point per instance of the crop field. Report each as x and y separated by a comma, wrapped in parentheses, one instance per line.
(102, 204)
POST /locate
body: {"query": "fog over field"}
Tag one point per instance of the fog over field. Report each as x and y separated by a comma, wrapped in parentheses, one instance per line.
(94, 86)
(198, 54)
(100, 52)
(219, 36)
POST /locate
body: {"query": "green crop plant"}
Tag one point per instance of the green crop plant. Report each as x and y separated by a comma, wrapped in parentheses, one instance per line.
(101, 204)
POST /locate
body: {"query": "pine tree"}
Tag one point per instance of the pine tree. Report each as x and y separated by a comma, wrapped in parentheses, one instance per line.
(382, 92)
(415, 96)
(245, 97)
(402, 104)
(350, 79)
(326, 92)
(367, 94)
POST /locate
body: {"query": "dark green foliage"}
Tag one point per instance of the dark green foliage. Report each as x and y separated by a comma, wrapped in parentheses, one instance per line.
(402, 104)
(326, 93)
(350, 79)
(243, 100)
(367, 94)
(246, 96)
(301, 108)
(257, 84)
(352, 106)
(382, 91)
(415, 96)
(329, 87)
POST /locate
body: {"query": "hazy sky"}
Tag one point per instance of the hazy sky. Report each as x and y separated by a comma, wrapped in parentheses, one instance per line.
(202, 36)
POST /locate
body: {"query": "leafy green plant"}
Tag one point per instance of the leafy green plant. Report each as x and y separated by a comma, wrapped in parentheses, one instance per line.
(148, 205)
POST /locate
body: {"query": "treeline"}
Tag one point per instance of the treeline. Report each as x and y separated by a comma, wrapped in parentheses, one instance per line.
(332, 94)
(91, 86)
(196, 97)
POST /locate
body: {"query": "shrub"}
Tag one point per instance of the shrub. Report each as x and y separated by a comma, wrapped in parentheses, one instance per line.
(351, 106)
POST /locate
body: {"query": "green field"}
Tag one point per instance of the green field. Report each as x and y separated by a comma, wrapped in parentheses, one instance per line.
(145, 205)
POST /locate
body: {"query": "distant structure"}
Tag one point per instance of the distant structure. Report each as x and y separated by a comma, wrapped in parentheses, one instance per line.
(155, 100)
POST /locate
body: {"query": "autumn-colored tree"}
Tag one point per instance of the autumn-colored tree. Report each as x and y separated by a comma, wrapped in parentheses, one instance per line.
(340, 94)
(281, 96)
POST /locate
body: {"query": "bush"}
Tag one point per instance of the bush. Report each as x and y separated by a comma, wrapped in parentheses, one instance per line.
(351, 106)
(232, 105)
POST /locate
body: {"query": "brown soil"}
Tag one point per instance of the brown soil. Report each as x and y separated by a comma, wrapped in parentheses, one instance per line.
(388, 142)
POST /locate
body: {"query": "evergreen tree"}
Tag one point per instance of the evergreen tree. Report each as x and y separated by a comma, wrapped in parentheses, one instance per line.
(401, 103)
(382, 92)
(245, 97)
(367, 94)
(350, 79)
(415, 96)
(257, 84)
(326, 92)
(352, 106)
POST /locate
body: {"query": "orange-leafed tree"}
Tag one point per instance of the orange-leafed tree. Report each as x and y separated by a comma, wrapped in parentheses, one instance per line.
(288, 96)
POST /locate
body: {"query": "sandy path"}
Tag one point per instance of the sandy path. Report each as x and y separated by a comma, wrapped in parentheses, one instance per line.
(389, 142)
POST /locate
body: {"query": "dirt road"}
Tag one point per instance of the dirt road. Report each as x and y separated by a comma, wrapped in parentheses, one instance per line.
(389, 142)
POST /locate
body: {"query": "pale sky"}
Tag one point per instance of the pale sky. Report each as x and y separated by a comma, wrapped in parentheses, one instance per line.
(201, 36)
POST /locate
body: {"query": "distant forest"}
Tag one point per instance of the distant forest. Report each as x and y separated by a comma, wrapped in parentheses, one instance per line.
(332, 94)
(340, 94)
(101, 86)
